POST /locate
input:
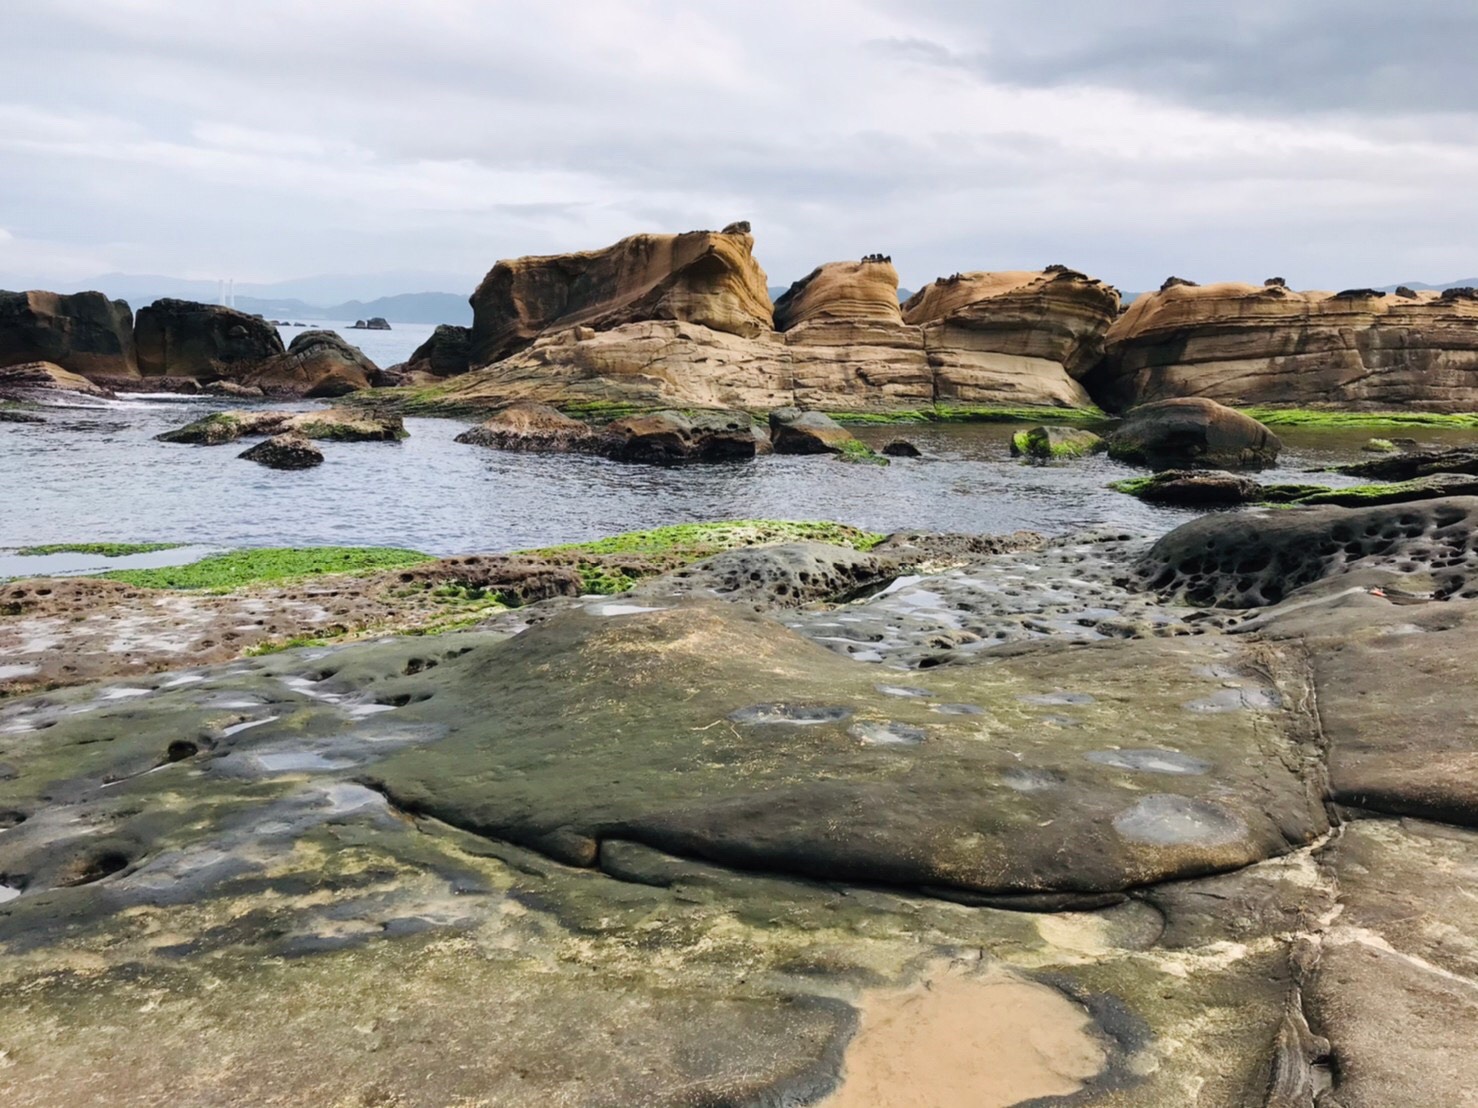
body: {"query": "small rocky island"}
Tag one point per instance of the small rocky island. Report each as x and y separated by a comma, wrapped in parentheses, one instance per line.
(759, 812)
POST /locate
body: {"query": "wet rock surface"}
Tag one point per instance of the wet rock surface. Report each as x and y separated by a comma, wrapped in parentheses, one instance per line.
(1192, 432)
(663, 849)
(289, 451)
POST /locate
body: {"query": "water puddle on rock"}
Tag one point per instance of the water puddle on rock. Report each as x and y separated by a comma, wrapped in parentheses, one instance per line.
(964, 1041)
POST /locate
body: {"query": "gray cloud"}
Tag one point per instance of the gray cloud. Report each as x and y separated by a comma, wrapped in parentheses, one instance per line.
(1254, 55)
(1329, 144)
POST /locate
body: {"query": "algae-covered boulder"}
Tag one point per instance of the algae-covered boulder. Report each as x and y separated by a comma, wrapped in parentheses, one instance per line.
(1055, 443)
(1193, 488)
(1192, 432)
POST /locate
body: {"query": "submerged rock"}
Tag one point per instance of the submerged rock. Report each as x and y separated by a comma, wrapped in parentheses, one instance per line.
(1195, 432)
(289, 451)
(1055, 443)
(339, 424)
(1193, 488)
(532, 427)
(1411, 464)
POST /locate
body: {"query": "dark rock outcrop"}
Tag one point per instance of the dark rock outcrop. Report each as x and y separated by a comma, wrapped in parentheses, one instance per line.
(1055, 443)
(180, 338)
(1192, 432)
(901, 448)
(317, 364)
(84, 333)
(444, 354)
(1406, 465)
(288, 451)
(667, 437)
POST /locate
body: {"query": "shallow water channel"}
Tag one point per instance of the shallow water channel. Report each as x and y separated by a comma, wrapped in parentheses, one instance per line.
(95, 473)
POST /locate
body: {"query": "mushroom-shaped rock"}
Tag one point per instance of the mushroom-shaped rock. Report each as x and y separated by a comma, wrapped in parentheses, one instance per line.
(1192, 432)
(180, 338)
(531, 427)
(289, 451)
(84, 333)
(866, 290)
(704, 277)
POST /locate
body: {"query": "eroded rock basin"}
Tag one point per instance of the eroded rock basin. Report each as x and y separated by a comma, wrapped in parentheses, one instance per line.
(672, 850)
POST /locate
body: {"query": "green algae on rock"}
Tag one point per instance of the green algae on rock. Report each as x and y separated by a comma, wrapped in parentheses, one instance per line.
(1332, 417)
(258, 566)
(102, 549)
(1044, 443)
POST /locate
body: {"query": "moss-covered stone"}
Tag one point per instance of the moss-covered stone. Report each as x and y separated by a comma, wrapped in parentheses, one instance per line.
(251, 567)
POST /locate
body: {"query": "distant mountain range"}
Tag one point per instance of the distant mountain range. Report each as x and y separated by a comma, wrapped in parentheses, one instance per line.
(332, 296)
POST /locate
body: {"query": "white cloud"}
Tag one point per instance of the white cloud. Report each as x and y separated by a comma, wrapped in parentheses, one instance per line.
(293, 139)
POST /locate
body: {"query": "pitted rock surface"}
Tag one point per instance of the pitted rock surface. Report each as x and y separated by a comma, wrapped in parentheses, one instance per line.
(1255, 559)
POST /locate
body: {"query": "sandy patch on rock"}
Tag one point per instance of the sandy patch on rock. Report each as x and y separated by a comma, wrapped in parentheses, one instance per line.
(968, 1041)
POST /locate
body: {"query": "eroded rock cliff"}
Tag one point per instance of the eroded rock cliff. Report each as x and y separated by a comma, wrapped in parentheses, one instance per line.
(85, 333)
(1269, 345)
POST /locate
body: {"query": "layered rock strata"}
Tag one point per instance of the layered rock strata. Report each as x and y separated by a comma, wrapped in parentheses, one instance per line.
(1269, 345)
(704, 277)
(572, 330)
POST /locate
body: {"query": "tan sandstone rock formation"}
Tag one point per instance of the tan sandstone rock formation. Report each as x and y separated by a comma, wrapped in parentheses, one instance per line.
(1270, 345)
(704, 277)
(85, 333)
(1015, 337)
(843, 344)
(842, 291)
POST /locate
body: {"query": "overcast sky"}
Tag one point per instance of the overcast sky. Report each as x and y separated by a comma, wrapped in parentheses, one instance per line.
(1332, 142)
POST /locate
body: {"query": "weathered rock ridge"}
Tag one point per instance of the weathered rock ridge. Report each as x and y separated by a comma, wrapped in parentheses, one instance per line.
(704, 277)
(1269, 345)
(607, 328)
